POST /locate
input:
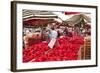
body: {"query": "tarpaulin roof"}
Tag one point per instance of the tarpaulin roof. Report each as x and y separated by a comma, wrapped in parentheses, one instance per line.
(36, 14)
(77, 18)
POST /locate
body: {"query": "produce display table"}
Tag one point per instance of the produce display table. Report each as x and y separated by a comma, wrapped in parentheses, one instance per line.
(66, 50)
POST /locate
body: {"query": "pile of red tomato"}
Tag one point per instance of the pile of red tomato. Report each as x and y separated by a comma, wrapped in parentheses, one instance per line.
(66, 50)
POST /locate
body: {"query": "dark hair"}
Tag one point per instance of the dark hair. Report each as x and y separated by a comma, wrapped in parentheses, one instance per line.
(52, 28)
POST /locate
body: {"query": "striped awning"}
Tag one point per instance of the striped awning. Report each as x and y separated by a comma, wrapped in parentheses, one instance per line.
(36, 14)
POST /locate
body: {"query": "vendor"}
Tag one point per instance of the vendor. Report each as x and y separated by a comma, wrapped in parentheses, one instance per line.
(28, 34)
(53, 37)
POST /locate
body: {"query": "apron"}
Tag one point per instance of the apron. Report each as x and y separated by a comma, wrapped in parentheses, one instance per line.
(53, 38)
(52, 43)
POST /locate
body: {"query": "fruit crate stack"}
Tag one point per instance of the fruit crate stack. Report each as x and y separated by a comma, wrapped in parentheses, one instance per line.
(87, 48)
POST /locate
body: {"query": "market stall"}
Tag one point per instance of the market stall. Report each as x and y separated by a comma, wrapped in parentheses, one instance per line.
(37, 37)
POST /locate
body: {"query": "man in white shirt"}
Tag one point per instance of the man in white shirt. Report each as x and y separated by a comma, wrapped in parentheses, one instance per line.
(53, 37)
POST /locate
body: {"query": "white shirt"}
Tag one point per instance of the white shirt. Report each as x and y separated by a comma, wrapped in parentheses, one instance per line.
(53, 34)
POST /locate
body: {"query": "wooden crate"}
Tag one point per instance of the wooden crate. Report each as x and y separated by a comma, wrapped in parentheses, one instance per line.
(85, 50)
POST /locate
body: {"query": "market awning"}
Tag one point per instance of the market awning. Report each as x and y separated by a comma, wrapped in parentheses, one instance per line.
(36, 14)
(78, 18)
